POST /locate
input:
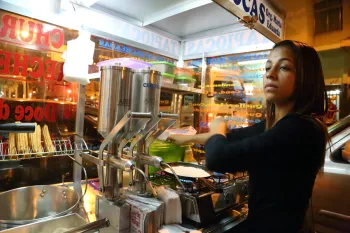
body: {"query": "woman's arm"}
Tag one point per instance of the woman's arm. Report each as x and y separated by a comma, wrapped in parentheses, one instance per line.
(290, 134)
(232, 136)
(242, 133)
(186, 139)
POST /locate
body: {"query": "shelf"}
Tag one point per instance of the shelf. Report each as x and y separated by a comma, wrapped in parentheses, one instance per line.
(180, 89)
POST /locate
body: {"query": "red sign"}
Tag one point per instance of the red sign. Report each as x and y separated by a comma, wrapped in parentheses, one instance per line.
(16, 29)
(28, 113)
(47, 69)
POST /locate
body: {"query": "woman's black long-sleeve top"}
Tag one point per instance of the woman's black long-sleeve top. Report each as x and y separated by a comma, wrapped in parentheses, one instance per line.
(282, 163)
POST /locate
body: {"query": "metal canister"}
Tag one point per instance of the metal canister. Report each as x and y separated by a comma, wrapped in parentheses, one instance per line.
(146, 91)
(114, 98)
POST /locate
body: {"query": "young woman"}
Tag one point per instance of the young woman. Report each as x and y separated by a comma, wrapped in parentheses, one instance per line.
(282, 154)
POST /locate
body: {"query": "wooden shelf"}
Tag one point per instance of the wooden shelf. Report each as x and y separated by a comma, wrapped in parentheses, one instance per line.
(180, 89)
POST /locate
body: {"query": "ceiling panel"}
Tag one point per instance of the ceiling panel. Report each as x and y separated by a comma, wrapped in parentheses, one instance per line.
(197, 20)
(206, 16)
(138, 9)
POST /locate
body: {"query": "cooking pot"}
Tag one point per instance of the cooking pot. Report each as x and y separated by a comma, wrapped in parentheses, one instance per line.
(36, 203)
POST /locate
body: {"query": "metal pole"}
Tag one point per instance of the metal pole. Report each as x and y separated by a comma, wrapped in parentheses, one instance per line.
(78, 139)
(178, 108)
(204, 71)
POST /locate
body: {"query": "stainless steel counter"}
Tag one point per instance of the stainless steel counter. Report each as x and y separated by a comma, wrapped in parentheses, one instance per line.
(87, 211)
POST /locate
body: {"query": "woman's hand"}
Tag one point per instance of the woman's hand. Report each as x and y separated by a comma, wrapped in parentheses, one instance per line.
(218, 126)
(179, 139)
(186, 139)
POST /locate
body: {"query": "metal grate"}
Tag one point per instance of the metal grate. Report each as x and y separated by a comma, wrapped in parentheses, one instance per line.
(62, 147)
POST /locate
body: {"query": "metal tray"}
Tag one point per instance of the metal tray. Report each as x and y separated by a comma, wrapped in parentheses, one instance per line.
(176, 164)
(53, 225)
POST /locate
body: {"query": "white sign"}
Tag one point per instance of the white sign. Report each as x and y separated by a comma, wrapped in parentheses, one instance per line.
(267, 17)
(236, 42)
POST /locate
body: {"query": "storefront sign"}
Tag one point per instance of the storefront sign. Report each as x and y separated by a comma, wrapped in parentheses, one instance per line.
(15, 64)
(35, 111)
(231, 59)
(23, 31)
(120, 28)
(111, 45)
(149, 38)
(28, 113)
(236, 42)
(266, 15)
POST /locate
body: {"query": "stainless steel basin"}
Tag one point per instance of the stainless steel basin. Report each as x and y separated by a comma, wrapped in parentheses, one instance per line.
(56, 225)
(34, 203)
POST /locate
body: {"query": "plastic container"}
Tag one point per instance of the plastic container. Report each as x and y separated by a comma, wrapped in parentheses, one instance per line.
(168, 78)
(168, 151)
(126, 62)
(185, 81)
(163, 67)
(184, 72)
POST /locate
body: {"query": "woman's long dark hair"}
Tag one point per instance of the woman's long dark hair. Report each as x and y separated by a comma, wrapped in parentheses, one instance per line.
(310, 96)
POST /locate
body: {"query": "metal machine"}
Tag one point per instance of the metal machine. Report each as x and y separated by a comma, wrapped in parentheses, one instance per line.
(206, 200)
(128, 114)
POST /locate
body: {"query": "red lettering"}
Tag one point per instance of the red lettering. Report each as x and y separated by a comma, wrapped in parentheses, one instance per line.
(19, 112)
(50, 112)
(50, 69)
(28, 113)
(38, 114)
(60, 40)
(4, 110)
(37, 67)
(5, 62)
(40, 34)
(60, 73)
(67, 112)
(29, 37)
(18, 63)
(9, 24)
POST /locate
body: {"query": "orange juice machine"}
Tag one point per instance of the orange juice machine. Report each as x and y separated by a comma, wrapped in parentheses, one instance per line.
(128, 115)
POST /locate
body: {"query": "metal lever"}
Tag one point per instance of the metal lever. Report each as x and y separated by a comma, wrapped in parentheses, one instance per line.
(91, 227)
(172, 118)
(128, 116)
(143, 122)
(161, 116)
(17, 127)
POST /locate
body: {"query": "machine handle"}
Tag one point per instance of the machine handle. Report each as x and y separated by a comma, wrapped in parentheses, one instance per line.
(168, 116)
(140, 115)
(91, 227)
(18, 127)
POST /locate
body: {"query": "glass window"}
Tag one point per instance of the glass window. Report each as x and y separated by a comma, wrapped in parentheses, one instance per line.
(31, 75)
(233, 89)
(105, 50)
(328, 16)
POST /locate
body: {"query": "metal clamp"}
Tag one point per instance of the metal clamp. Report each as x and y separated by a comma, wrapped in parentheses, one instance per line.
(110, 137)
(172, 118)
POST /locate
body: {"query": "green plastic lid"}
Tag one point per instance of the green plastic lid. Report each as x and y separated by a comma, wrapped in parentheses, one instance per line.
(162, 62)
(168, 75)
(185, 78)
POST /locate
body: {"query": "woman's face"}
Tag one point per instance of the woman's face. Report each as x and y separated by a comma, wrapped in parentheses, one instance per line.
(279, 79)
